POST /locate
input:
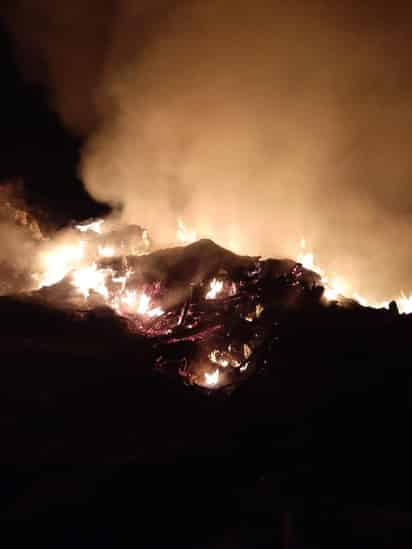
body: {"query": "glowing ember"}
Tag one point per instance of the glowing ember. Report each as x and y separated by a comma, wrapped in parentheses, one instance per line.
(247, 351)
(95, 227)
(185, 235)
(216, 286)
(91, 278)
(212, 379)
(258, 313)
(106, 251)
(217, 358)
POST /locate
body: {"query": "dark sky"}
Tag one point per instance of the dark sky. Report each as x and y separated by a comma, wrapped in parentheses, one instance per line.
(36, 147)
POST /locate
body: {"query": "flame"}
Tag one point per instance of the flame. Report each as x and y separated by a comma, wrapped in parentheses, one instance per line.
(156, 312)
(404, 303)
(95, 227)
(217, 358)
(129, 299)
(212, 379)
(88, 277)
(144, 307)
(216, 286)
(106, 251)
(307, 259)
(122, 280)
(138, 304)
(185, 235)
(334, 288)
(146, 239)
(59, 261)
(91, 278)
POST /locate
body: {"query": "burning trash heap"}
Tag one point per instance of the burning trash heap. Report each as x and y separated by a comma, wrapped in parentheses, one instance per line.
(208, 311)
(209, 315)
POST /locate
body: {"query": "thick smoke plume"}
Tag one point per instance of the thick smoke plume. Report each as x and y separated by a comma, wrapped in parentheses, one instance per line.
(257, 122)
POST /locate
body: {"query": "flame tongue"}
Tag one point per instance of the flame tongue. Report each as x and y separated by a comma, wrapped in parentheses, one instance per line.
(58, 262)
(335, 288)
(216, 286)
(106, 251)
(95, 227)
(91, 279)
(212, 379)
(185, 235)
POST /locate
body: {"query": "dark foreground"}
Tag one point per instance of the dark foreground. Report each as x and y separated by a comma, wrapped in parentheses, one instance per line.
(312, 451)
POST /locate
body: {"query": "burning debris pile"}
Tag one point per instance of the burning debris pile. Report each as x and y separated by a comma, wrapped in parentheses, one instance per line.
(208, 311)
(209, 315)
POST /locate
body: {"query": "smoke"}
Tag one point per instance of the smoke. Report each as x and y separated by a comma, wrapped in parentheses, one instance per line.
(256, 123)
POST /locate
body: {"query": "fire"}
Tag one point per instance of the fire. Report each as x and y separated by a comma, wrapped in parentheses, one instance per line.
(91, 278)
(59, 261)
(212, 379)
(405, 303)
(87, 277)
(146, 240)
(216, 286)
(139, 304)
(95, 227)
(144, 304)
(334, 288)
(217, 358)
(155, 313)
(307, 259)
(136, 299)
(144, 307)
(185, 235)
(106, 251)
(122, 280)
(129, 299)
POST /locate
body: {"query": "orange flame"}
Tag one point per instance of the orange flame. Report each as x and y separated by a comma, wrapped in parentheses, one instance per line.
(95, 227)
(212, 379)
(216, 286)
(185, 235)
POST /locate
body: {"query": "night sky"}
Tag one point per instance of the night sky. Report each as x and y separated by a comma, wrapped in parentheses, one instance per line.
(36, 148)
